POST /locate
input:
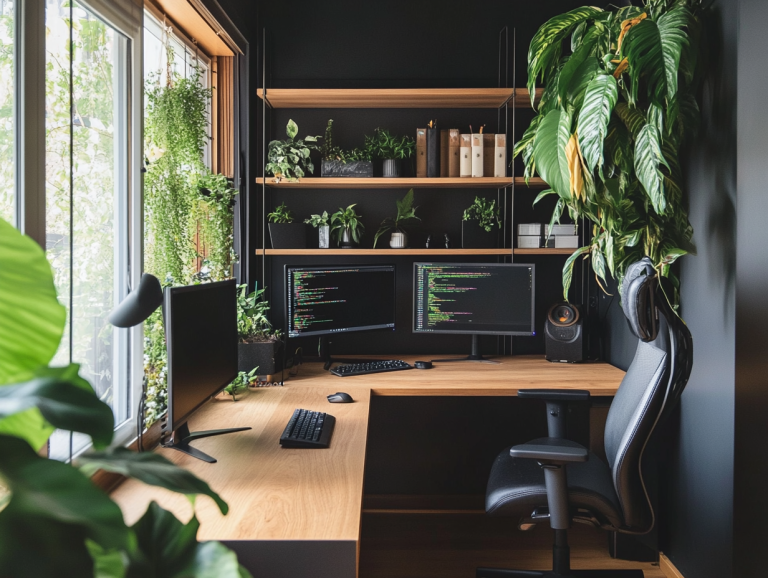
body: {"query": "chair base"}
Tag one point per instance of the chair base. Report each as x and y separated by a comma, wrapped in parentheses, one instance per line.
(499, 573)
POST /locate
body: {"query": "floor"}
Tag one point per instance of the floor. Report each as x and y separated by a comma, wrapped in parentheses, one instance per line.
(452, 546)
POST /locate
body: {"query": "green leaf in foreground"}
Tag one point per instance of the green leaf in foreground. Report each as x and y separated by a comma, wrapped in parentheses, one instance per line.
(151, 469)
(54, 507)
(168, 548)
(62, 400)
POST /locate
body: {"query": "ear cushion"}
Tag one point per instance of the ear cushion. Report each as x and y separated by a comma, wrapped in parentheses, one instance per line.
(638, 289)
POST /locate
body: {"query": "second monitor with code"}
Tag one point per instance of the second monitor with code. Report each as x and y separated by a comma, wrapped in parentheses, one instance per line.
(474, 299)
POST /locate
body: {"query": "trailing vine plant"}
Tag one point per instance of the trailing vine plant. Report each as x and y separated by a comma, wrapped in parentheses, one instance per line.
(213, 217)
(176, 133)
(614, 116)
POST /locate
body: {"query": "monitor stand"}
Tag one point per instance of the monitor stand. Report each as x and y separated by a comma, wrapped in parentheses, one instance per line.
(474, 356)
(324, 351)
(182, 437)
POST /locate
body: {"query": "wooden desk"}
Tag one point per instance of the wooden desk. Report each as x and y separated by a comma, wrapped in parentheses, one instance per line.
(474, 379)
(296, 512)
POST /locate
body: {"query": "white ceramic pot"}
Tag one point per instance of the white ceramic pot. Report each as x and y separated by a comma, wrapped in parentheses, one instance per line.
(398, 240)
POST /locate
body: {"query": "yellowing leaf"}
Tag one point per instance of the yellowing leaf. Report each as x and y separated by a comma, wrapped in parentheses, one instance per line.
(573, 155)
(626, 25)
(623, 65)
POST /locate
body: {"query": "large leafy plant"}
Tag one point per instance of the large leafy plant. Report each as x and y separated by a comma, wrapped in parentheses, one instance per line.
(615, 113)
(290, 158)
(53, 520)
(252, 322)
(406, 214)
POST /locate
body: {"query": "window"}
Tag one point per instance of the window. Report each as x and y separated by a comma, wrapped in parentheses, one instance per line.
(88, 200)
(7, 111)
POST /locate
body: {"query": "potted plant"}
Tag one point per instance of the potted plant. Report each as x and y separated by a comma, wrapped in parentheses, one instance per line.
(347, 227)
(391, 150)
(406, 214)
(260, 346)
(290, 158)
(321, 223)
(335, 162)
(617, 110)
(284, 233)
(480, 225)
(240, 384)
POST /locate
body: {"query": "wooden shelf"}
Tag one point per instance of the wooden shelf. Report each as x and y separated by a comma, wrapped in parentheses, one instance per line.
(401, 183)
(396, 97)
(447, 252)
(544, 251)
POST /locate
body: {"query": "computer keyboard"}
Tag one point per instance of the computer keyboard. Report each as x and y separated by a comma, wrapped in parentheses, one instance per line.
(370, 367)
(308, 429)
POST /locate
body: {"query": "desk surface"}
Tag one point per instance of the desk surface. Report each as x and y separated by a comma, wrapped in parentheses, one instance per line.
(472, 378)
(316, 495)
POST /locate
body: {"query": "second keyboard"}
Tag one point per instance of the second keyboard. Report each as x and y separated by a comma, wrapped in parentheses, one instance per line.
(370, 367)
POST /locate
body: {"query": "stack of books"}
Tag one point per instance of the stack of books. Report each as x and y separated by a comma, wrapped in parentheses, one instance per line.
(448, 153)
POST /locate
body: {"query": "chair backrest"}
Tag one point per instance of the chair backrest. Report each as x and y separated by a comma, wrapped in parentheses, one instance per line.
(651, 387)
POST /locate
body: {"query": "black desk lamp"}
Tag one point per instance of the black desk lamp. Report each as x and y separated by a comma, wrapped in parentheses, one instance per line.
(133, 310)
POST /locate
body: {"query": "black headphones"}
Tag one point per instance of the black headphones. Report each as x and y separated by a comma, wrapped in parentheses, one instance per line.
(638, 299)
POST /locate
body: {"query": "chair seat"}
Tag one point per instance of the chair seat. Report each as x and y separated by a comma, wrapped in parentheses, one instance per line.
(516, 488)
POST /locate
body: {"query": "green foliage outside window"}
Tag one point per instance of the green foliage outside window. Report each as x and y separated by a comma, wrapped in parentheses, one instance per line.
(615, 115)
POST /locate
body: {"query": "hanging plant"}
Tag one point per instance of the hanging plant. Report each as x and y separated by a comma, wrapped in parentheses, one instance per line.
(610, 127)
(176, 131)
(213, 217)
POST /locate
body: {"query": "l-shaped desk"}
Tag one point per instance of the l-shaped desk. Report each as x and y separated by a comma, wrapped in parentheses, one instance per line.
(298, 512)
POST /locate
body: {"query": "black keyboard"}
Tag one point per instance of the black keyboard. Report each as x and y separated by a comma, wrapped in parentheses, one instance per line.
(308, 429)
(370, 367)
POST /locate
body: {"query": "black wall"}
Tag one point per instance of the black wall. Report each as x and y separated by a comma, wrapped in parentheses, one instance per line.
(751, 425)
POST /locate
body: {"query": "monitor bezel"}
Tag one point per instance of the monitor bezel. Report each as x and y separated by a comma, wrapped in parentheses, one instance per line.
(467, 331)
(287, 268)
(172, 422)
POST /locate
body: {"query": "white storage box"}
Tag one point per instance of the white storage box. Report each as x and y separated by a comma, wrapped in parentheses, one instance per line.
(529, 229)
(528, 241)
(567, 242)
(560, 230)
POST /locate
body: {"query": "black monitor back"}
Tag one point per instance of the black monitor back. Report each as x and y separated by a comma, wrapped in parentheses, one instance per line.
(201, 336)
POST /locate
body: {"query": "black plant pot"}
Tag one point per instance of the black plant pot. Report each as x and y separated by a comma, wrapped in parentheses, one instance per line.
(475, 237)
(288, 235)
(267, 356)
(359, 169)
(391, 168)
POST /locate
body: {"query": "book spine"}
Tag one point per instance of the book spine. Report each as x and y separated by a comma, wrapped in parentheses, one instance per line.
(465, 152)
(500, 158)
(489, 145)
(433, 153)
(421, 153)
(453, 157)
(477, 155)
(444, 152)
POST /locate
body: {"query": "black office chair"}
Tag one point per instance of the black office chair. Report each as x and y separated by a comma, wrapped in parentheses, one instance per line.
(558, 480)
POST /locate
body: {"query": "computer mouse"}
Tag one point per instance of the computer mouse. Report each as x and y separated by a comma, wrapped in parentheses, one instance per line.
(422, 364)
(340, 397)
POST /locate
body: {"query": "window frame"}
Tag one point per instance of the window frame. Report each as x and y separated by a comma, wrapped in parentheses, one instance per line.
(127, 19)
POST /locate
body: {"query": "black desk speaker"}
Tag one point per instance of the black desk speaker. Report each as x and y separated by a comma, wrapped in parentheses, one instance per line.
(564, 340)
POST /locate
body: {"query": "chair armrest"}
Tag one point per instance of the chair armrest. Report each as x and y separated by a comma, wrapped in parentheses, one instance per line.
(561, 395)
(551, 451)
